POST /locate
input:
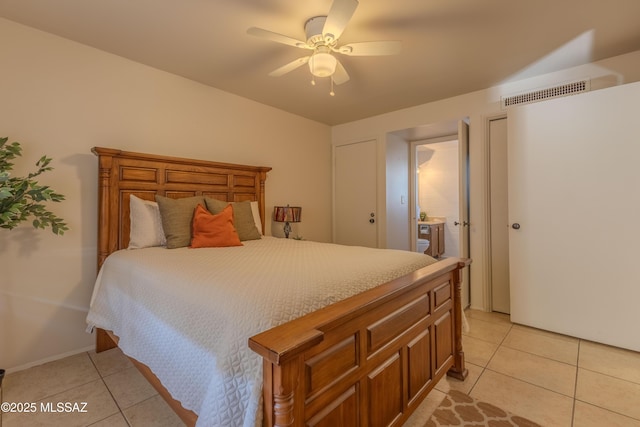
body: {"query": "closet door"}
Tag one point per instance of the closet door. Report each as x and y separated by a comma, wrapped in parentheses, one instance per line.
(499, 215)
(355, 179)
(573, 167)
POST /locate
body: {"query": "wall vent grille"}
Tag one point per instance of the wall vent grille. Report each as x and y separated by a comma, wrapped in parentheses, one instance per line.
(542, 94)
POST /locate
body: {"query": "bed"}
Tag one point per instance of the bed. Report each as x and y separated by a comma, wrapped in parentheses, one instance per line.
(365, 354)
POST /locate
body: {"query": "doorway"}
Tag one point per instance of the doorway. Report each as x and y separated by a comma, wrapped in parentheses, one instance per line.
(437, 195)
(456, 183)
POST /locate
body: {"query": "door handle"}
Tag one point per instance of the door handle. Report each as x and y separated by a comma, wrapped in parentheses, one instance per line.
(372, 215)
(515, 226)
(372, 220)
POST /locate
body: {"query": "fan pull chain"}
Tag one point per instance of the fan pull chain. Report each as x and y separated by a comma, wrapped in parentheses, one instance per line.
(331, 92)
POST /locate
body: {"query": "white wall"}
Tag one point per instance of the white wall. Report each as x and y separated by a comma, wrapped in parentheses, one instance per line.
(479, 106)
(397, 193)
(61, 98)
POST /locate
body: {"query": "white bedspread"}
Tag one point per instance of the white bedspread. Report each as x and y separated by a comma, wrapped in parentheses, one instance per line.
(188, 313)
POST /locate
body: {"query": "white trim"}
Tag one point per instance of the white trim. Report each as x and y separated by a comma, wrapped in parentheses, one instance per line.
(50, 359)
(486, 267)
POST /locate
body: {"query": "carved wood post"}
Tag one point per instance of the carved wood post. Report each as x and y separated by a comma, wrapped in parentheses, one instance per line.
(104, 176)
(458, 370)
(263, 178)
(105, 163)
(288, 408)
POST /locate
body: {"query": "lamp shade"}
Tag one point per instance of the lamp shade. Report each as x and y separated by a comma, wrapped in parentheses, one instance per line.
(322, 64)
(287, 213)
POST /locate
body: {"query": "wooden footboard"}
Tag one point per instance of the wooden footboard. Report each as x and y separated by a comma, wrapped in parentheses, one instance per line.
(368, 360)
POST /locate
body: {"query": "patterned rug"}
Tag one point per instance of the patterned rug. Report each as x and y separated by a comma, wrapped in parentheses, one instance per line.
(459, 409)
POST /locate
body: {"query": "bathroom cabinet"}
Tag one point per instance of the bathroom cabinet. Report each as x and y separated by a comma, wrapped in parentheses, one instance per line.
(435, 235)
(436, 248)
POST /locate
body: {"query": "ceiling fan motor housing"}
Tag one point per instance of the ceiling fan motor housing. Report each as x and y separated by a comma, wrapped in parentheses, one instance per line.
(313, 29)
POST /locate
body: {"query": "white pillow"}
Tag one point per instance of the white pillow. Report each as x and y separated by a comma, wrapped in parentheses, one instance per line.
(255, 210)
(146, 224)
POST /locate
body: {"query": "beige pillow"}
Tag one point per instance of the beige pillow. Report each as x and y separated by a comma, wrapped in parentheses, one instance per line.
(255, 209)
(177, 215)
(243, 219)
(146, 224)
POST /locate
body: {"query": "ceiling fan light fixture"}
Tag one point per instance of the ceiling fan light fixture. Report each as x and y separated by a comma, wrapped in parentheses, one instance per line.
(323, 33)
(322, 64)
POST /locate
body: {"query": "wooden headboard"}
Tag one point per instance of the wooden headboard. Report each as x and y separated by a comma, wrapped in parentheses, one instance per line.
(122, 173)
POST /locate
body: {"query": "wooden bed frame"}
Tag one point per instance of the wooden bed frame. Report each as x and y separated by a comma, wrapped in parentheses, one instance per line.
(368, 360)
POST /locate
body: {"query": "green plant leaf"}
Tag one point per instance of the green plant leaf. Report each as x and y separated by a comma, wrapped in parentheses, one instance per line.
(23, 197)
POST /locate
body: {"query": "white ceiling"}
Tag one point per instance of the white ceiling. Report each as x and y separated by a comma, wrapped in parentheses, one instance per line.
(450, 47)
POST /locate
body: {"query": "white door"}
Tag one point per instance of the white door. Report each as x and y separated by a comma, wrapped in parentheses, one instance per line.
(463, 194)
(355, 183)
(499, 215)
(574, 206)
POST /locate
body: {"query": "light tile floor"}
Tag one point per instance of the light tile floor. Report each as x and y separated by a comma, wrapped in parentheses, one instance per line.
(552, 379)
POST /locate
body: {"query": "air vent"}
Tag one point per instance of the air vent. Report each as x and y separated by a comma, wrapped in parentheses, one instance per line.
(542, 94)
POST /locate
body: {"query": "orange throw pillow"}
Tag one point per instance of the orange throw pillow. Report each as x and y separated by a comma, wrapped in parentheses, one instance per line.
(214, 231)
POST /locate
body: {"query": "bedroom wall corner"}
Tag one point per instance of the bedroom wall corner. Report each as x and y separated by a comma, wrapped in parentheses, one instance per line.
(61, 98)
(478, 106)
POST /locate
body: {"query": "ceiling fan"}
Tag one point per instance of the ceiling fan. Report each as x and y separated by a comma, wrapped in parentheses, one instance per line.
(322, 34)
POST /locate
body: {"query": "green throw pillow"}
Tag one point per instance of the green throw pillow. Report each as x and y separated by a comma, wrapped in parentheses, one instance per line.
(177, 215)
(242, 217)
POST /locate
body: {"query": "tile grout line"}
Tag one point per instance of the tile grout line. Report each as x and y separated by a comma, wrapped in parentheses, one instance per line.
(607, 410)
(527, 382)
(550, 359)
(575, 386)
(574, 365)
(488, 341)
(110, 394)
(484, 368)
(530, 383)
(540, 355)
(575, 368)
(599, 373)
(610, 376)
(49, 396)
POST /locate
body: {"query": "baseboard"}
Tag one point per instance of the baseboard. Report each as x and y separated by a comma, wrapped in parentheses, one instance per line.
(49, 359)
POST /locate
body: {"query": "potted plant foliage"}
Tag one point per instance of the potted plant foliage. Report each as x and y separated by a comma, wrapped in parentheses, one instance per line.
(22, 198)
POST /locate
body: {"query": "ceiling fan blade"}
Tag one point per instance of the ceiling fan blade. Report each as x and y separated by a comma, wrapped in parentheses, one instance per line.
(339, 15)
(290, 66)
(276, 37)
(340, 75)
(371, 48)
